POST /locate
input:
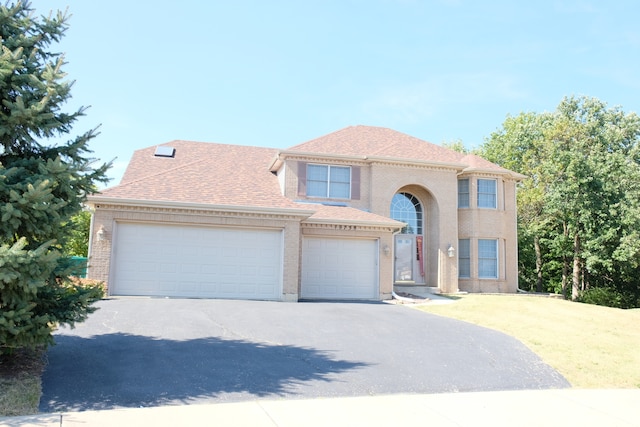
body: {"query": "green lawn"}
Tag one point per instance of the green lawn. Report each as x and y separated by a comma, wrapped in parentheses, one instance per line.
(20, 383)
(592, 346)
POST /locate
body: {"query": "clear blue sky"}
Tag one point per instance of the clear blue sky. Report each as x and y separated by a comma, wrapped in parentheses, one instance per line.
(277, 73)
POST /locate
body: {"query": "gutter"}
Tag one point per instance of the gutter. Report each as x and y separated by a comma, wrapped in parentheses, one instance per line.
(281, 155)
(364, 223)
(97, 200)
(506, 172)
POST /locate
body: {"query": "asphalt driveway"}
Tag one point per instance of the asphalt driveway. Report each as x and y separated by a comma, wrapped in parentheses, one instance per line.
(136, 352)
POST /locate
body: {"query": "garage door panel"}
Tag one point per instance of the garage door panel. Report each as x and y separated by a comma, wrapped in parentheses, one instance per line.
(209, 262)
(334, 268)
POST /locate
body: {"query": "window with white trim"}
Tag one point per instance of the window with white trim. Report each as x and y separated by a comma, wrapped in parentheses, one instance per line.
(487, 258)
(329, 181)
(487, 191)
(405, 207)
(464, 258)
(463, 193)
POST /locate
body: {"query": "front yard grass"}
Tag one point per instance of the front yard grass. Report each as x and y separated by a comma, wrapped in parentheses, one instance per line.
(20, 383)
(591, 346)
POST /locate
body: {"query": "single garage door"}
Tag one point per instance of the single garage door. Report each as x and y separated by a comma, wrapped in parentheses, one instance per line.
(339, 268)
(201, 262)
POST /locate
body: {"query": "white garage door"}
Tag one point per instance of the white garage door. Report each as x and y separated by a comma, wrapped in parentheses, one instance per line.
(339, 268)
(206, 262)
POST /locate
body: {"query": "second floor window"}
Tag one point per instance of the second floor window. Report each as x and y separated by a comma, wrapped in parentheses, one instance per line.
(463, 193)
(329, 181)
(487, 191)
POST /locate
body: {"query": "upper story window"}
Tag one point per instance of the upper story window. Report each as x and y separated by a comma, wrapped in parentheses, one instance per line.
(328, 181)
(487, 191)
(463, 193)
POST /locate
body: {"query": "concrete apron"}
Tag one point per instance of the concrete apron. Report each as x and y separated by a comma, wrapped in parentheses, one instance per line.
(419, 294)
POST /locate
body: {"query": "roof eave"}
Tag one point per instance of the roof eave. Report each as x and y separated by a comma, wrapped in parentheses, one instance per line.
(282, 155)
(396, 225)
(96, 200)
(276, 163)
(415, 162)
(511, 174)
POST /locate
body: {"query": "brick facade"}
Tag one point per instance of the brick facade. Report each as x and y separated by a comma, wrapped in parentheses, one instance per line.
(161, 192)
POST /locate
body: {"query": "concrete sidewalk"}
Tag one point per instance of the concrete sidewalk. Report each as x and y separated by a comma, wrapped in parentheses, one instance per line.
(418, 294)
(504, 408)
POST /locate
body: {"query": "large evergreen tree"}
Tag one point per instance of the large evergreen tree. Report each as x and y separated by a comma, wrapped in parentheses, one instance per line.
(45, 174)
(579, 209)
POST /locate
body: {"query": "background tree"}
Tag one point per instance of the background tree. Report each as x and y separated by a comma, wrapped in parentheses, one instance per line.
(42, 182)
(579, 207)
(518, 147)
(78, 228)
(456, 145)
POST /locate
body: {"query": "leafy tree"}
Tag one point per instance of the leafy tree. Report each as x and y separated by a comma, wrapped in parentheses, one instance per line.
(78, 228)
(456, 145)
(519, 146)
(580, 206)
(42, 181)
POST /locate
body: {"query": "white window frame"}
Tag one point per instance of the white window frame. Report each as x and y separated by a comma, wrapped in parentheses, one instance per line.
(484, 260)
(484, 195)
(463, 197)
(327, 181)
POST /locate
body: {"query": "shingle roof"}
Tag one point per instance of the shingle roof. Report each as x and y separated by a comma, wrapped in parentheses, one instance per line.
(217, 174)
(474, 162)
(325, 213)
(239, 176)
(374, 141)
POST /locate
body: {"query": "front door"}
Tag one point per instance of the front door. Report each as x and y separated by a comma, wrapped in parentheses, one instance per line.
(404, 258)
(409, 265)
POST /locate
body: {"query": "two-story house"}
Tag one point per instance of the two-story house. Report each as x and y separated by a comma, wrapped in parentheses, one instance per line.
(344, 216)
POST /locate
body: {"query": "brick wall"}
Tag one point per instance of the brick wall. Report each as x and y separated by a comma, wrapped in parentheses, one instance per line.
(437, 189)
(478, 223)
(108, 216)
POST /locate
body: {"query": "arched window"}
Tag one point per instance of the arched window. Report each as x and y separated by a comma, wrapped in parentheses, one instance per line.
(406, 207)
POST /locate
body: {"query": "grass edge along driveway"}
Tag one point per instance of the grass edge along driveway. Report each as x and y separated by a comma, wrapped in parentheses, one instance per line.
(21, 383)
(591, 346)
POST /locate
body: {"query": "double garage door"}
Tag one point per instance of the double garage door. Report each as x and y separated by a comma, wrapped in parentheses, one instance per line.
(202, 262)
(214, 262)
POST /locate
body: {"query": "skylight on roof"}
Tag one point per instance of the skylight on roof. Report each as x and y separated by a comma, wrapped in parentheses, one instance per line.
(164, 151)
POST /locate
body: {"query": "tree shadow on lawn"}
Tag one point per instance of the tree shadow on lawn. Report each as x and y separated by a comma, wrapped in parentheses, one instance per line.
(124, 370)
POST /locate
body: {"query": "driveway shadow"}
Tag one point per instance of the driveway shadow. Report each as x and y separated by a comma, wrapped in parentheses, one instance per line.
(125, 370)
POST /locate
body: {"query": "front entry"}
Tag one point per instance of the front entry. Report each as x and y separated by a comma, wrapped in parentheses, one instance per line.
(404, 258)
(409, 261)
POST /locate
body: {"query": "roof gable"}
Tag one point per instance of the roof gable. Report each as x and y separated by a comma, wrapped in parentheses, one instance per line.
(371, 141)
